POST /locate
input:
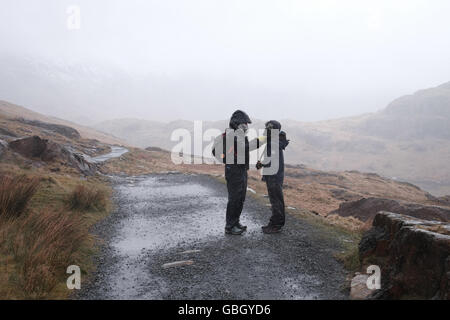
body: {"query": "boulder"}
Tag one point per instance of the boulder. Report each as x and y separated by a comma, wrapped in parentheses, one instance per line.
(49, 151)
(365, 209)
(31, 147)
(413, 255)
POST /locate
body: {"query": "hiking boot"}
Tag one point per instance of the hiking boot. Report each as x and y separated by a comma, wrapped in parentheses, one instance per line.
(234, 231)
(240, 226)
(271, 229)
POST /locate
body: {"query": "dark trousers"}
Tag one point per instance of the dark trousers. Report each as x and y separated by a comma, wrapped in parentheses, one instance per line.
(236, 177)
(275, 191)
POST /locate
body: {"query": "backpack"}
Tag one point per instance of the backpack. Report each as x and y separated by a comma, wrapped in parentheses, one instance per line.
(223, 154)
(231, 152)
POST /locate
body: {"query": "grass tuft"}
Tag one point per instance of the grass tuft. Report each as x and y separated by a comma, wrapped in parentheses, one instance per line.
(15, 194)
(45, 244)
(83, 198)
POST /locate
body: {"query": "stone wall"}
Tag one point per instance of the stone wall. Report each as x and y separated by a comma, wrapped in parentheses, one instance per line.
(413, 255)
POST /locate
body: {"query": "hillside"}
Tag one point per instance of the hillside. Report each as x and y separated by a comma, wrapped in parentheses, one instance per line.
(50, 197)
(12, 111)
(408, 140)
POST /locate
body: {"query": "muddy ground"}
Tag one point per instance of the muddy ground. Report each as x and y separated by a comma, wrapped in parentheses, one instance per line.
(161, 219)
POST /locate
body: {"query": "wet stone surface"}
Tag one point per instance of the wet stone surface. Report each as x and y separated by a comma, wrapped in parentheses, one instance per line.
(161, 219)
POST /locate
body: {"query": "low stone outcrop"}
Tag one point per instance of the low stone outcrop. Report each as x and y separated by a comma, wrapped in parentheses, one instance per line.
(48, 151)
(413, 255)
(365, 209)
(66, 131)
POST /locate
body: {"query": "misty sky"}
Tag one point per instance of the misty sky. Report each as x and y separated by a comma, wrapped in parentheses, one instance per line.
(199, 59)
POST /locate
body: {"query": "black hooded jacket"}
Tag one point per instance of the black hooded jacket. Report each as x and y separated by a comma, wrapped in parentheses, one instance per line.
(237, 118)
(281, 145)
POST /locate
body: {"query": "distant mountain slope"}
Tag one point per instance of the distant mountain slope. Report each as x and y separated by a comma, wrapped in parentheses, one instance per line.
(408, 140)
(425, 114)
(9, 110)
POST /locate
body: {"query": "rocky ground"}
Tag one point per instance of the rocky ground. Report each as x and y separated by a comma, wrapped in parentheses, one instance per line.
(161, 219)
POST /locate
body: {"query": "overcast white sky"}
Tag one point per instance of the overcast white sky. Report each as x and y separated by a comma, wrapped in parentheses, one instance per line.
(199, 59)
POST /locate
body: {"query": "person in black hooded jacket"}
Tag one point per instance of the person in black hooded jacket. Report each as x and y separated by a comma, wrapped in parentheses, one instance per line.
(274, 178)
(233, 148)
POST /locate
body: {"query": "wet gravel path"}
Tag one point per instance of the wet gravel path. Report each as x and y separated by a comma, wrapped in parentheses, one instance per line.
(161, 219)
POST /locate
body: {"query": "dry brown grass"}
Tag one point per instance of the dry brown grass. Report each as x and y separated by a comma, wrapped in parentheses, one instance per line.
(349, 223)
(40, 235)
(87, 198)
(11, 111)
(37, 245)
(15, 194)
(43, 245)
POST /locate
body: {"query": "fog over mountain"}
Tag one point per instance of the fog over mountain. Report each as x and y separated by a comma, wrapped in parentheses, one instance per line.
(168, 60)
(407, 140)
(140, 69)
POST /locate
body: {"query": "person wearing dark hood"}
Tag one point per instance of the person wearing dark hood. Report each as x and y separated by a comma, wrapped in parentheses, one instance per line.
(274, 177)
(233, 148)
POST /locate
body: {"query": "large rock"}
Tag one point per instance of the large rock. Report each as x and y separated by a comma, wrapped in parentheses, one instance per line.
(365, 209)
(48, 151)
(413, 255)
(31, 147)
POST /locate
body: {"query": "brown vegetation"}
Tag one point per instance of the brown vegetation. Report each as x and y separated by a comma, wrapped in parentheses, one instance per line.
(46, 210)
(41, 235)
(15, 193)
(84, 198)
(43, 244)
